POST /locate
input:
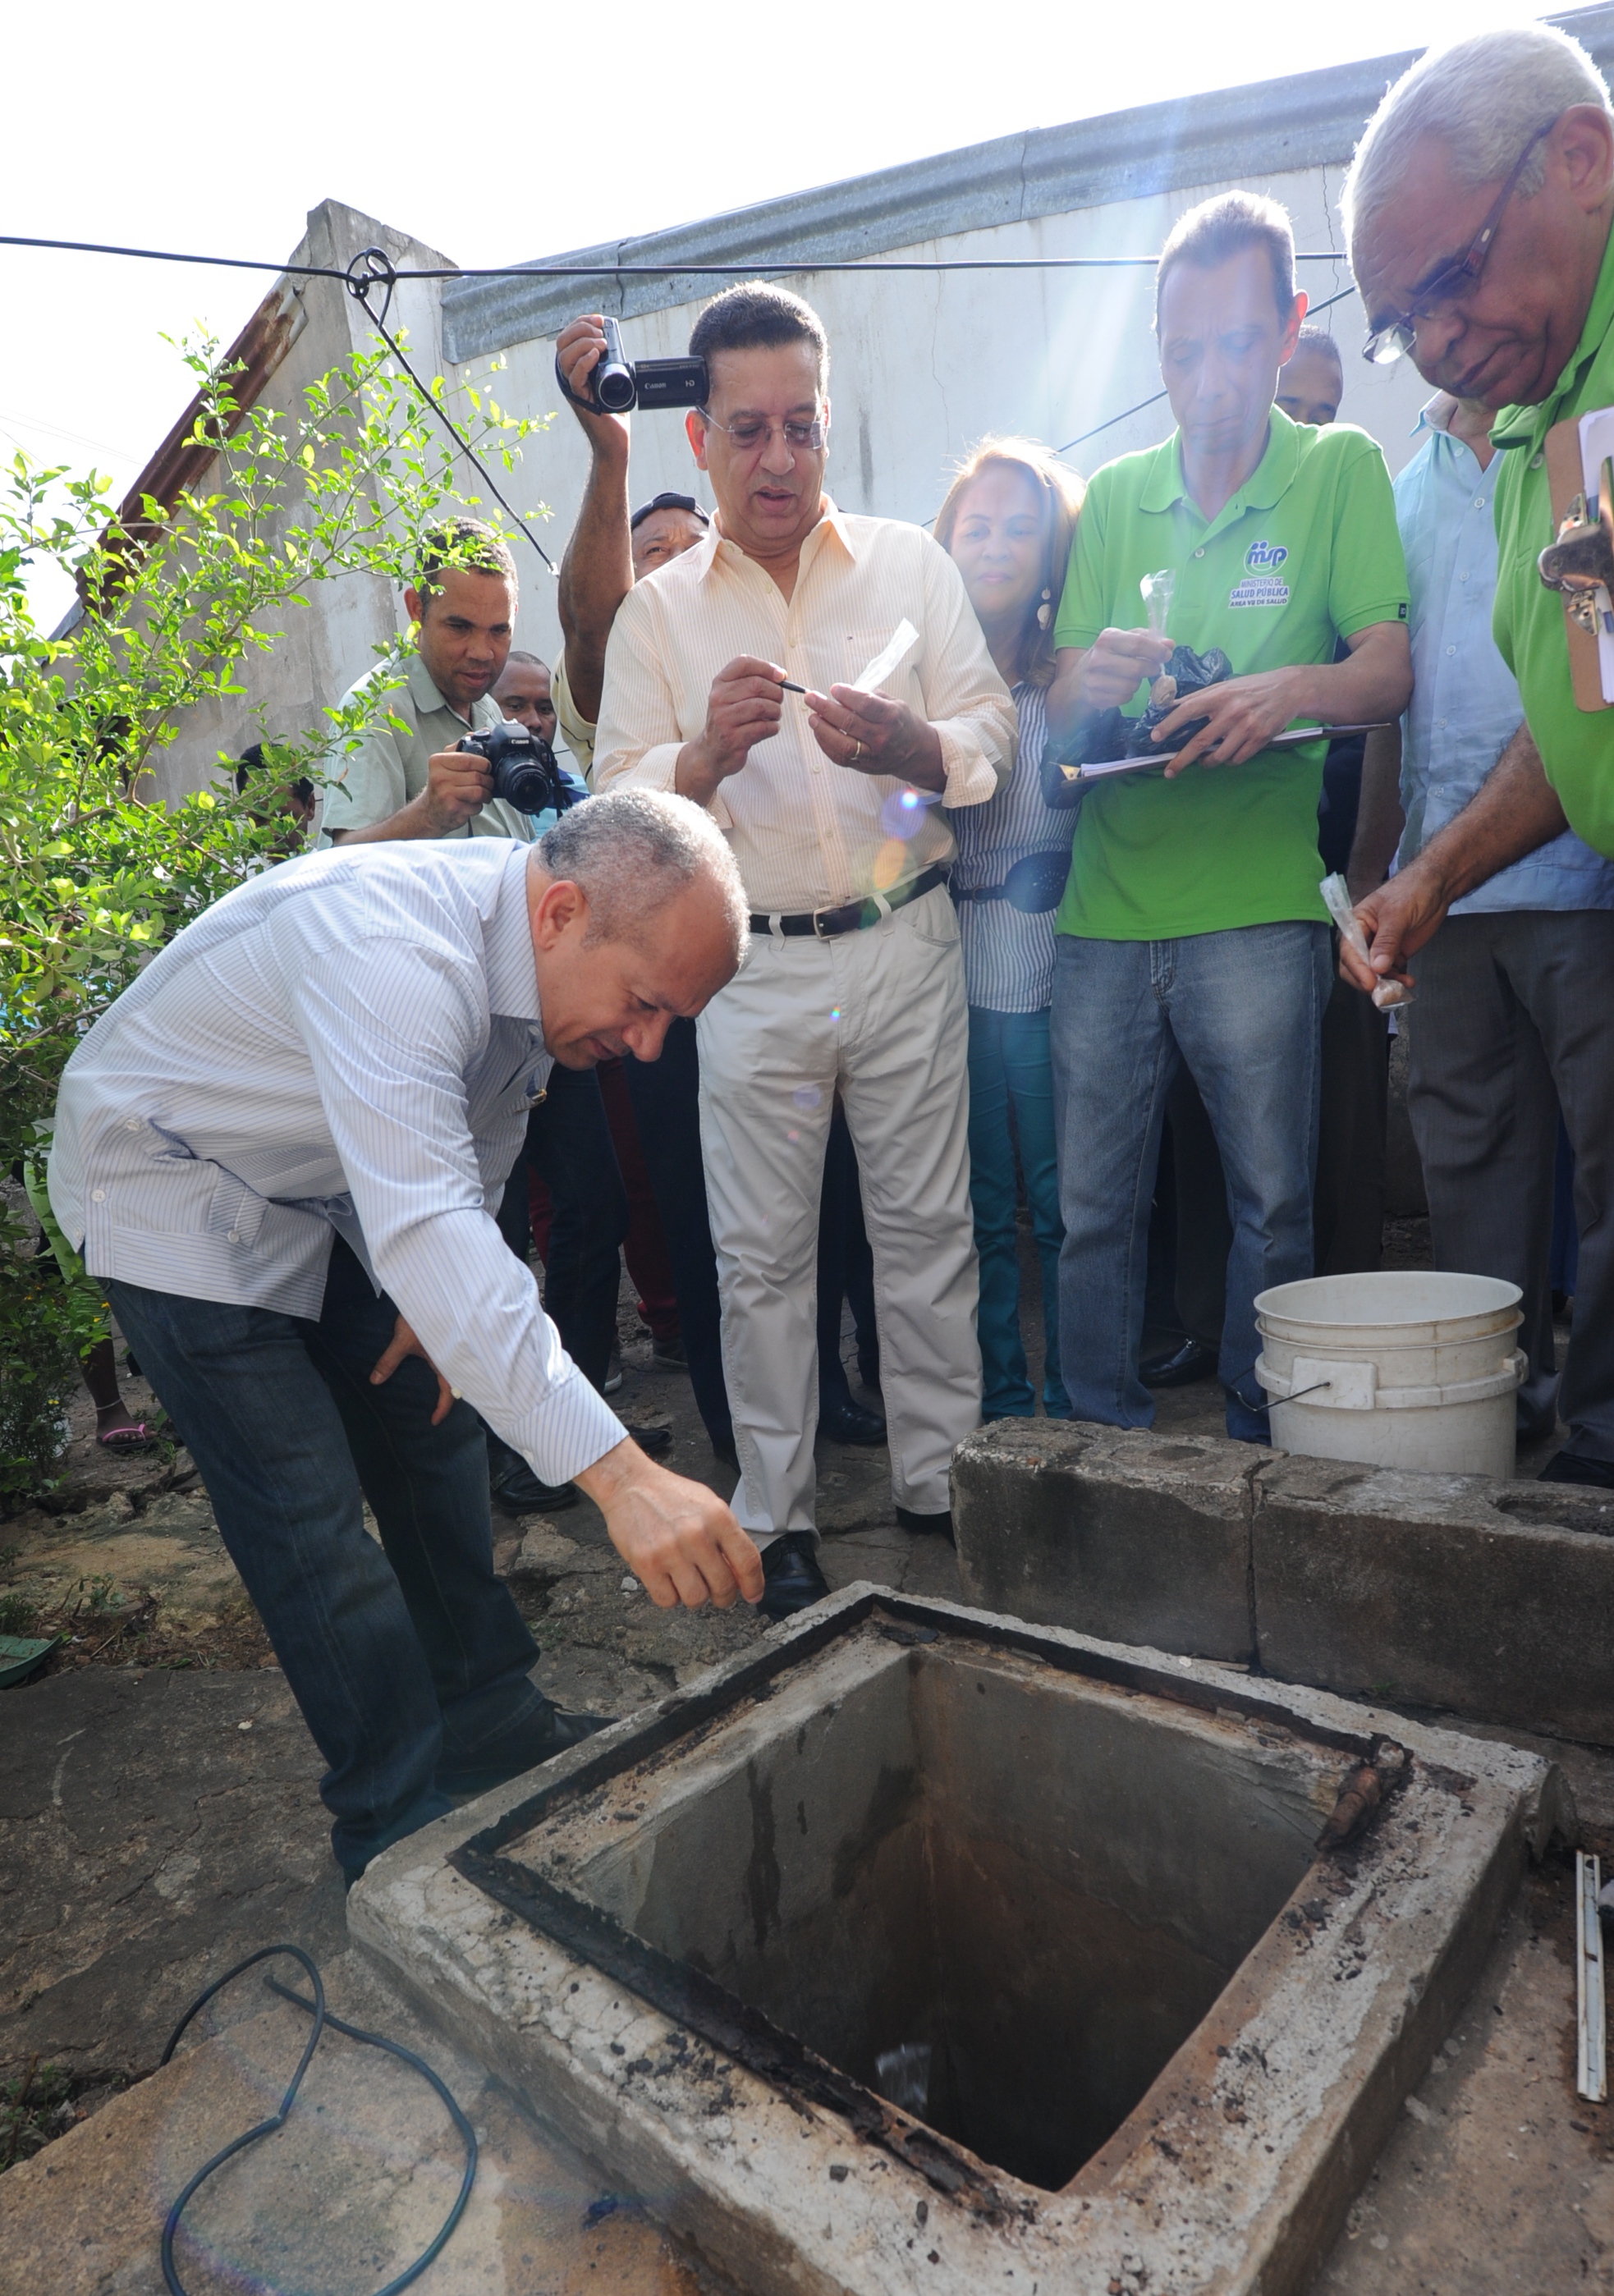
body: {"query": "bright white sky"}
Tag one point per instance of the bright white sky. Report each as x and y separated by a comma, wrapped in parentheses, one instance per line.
(511, 134)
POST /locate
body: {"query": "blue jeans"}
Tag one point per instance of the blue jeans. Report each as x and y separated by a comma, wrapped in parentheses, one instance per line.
(1010, 1068)
(410, 1664)
(1244, 1010)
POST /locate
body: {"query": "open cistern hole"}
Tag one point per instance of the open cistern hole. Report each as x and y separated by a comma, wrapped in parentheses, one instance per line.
(998, 1894)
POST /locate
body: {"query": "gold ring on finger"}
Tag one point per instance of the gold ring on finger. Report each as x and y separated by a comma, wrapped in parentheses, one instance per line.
(856, 750)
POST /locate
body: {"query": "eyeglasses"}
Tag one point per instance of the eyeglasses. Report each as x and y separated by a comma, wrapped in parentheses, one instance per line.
(750, 433)
(1453, 280)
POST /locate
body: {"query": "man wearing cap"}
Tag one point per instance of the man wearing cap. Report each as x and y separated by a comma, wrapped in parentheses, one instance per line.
(821, 685)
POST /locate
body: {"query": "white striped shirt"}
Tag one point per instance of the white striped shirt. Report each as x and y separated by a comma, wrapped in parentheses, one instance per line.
(1009, 957)
(808, 835)
(351, 1041)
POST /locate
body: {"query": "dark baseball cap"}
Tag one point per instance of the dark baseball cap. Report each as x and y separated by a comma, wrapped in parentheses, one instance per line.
(668, 502)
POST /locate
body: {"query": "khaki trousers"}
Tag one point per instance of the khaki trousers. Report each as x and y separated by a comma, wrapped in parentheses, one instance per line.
(879, 1017)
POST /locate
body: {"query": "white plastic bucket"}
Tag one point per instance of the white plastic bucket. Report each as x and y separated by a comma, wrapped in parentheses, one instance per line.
(1402, 1369)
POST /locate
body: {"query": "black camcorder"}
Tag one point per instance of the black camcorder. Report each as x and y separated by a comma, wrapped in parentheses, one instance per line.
(619, 383)
(526, 772)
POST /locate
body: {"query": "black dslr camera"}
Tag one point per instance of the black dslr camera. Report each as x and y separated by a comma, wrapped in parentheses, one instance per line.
(526, 772)
(618, 384)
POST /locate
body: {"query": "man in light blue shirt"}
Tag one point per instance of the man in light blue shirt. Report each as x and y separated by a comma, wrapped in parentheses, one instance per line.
(1515, 1011)
(279, 1152)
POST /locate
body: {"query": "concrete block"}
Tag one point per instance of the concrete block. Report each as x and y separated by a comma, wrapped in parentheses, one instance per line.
(1490, 1598)
(1120, 1533)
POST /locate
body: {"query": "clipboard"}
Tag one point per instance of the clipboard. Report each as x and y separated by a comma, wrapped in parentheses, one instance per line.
(1576, 452)
(1104, 767)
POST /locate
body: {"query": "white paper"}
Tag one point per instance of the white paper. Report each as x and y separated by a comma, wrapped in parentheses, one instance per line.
(902, 642)
(1596, 446)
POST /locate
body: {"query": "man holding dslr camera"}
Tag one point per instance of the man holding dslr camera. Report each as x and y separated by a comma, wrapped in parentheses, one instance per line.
(462, 603)
(420, 784)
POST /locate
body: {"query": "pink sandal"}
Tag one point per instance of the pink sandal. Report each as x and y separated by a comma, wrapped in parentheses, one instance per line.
(137, 1438)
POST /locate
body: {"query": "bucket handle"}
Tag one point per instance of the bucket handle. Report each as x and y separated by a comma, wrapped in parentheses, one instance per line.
(1402, 1398)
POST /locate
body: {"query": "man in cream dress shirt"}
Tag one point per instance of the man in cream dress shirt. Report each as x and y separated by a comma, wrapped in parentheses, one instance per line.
(834, 804)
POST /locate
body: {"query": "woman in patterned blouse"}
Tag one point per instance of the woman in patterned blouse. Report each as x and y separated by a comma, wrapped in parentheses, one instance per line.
(1007, 523)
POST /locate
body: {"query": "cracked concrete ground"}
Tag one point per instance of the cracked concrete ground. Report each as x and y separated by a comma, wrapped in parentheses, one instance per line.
(354, 2188)
(147, 1840)
(159, 1820)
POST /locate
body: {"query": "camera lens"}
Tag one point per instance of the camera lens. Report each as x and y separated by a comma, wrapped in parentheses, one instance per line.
(526, 786)
(614, 388)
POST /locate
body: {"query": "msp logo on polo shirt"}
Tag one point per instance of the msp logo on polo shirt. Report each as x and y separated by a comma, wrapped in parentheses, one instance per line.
(1263, 583)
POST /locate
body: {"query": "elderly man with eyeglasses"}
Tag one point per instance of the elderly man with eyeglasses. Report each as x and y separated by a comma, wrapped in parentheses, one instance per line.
(1478, 209)
(735, 676)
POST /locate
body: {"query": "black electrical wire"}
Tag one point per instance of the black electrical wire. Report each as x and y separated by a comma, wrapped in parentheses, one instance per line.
(316, 2011)
(378, 270)
(603, 270)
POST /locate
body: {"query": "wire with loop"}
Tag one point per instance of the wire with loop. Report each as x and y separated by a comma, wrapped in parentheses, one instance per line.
(372, 268)
(320, 2017)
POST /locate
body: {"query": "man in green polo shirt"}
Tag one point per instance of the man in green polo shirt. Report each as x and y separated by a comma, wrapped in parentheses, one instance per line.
(1478, 209)
(1191, 928)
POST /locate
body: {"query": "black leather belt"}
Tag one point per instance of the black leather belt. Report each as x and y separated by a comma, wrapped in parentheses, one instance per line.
(824, 924)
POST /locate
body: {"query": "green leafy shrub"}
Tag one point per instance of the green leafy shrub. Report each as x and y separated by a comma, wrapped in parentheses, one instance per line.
(94, 876)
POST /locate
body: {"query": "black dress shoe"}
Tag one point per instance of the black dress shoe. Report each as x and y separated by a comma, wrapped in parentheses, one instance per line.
(849, 1422)
(793, 1581)
(937, 1526)
(550, 1733)
(515, 1489)
(651, 1440)
(1571, 1467)
(1193, 1360)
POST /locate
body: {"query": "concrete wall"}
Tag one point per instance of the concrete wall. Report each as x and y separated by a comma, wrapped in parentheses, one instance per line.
(320, 651)
(923, 364)
(1487, 1599)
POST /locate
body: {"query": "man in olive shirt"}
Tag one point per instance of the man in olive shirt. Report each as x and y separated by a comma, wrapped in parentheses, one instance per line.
(1191, 928)
(1486, 257)
(417, 782)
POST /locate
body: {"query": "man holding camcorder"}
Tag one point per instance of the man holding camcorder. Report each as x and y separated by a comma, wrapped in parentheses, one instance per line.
(821, 685)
